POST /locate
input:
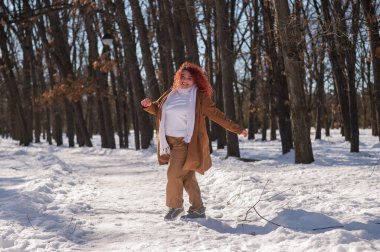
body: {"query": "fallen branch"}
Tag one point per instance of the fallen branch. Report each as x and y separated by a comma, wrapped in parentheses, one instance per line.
(254, 208)
(373, 170)
(332, 227)
(27, 216)
(274, 223)
(239, 194)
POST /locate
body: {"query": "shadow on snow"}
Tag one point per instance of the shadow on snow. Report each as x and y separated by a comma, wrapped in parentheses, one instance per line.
(296, 220)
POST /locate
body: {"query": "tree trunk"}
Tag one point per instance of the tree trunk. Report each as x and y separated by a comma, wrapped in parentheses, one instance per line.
(327, 123)
(239, 103)
(373, 31)
(289, 36)
(277, 83)
(350, 52)
(14, 94)
(102, 82)
(265, 113)
(134, 73)
(121, 107)
(57, 120)
(375, 132)
(154, 91)
(47, 109)
(164, 45)
(186, 14)
(60, 53)
(70, 122)
(338, 65)
(255, 32)
(163, 69)
(227, 62)
(174, 29)
(273, 116)
(119, 118)
(27, 84)
(320, 92)
(35, 92)
(220, 132)
(207, 12)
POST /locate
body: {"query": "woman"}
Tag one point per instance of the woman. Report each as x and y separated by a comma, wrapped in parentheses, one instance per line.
(182, 136)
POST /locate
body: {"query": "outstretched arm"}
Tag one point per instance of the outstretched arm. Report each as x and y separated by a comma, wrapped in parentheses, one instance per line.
(212, 112)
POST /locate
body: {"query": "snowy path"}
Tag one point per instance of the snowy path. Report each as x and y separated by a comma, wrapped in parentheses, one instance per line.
(123, 200)
(126, 206)
(92, 199)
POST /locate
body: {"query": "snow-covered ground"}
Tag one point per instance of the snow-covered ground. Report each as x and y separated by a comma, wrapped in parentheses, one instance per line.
(93, 199)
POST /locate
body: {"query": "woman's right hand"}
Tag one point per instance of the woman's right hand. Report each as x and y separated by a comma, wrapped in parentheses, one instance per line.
(146, 102)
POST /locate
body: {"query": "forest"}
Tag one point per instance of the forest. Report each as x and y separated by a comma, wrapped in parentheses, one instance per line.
(73, 69)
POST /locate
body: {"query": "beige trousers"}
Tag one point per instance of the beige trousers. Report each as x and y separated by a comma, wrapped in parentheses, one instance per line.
(179, 179)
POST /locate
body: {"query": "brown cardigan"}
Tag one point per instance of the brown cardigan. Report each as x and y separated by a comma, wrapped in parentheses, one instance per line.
(198, 156)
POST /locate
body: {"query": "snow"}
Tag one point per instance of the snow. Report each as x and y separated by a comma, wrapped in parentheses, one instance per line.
(94, 199)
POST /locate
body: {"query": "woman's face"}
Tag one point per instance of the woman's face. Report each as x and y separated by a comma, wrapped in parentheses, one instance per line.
(186, 79)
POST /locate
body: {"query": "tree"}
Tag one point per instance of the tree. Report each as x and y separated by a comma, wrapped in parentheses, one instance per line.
(166, 71)
(277, 82)
(129, 46)
(14, 93)
(154, 91)
(60, 52)
(227, 63)
(338, 64)
(104, 110)
(255, 33)
(55, 110)
(290, 36)
(373, 31)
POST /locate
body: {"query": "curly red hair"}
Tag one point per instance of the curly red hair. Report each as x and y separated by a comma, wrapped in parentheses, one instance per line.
(199, 76)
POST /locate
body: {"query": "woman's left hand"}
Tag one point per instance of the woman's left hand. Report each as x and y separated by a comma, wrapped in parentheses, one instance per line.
(244, 133)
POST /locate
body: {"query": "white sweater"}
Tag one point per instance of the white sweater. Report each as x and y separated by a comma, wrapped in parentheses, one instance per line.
(176, 113)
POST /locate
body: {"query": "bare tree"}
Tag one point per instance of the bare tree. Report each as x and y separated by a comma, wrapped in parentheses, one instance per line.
(154, 91)
(14, 93)
(227, 63)
(277, 81)
(373, 30)
(255, 43)
(347, 48)
(186, 16)
(290, 36)
(161, 25)
(338, 64)
(144, 124)
(55, 110)
(60, 52)
(104, 110)
(49, 49)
